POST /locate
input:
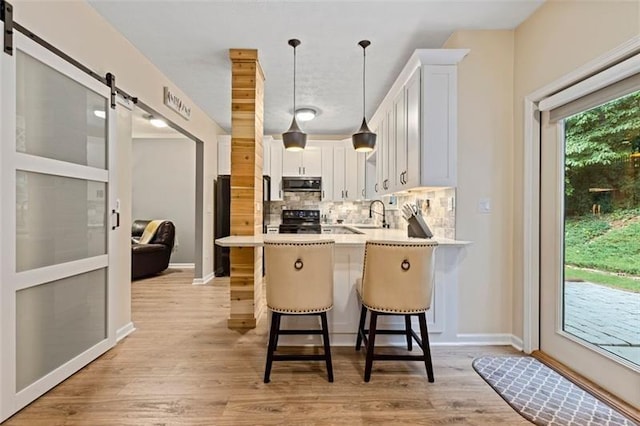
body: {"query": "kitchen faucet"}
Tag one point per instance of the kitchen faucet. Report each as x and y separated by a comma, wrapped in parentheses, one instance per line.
(384, 220)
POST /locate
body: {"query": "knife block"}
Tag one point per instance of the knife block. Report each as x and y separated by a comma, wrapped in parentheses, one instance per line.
(418, 228)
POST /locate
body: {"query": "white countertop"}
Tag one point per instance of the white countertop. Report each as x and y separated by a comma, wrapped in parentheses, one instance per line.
(392, 235)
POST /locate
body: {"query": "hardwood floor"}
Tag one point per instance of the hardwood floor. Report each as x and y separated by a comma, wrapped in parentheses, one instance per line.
(184, 367)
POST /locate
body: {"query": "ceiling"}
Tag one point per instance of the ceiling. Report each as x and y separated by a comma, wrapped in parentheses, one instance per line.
(190, 40)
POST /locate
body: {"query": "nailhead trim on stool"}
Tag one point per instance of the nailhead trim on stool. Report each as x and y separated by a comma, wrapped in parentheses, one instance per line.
(422, 340)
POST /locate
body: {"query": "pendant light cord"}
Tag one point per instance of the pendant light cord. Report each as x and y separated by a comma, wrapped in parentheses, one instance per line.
(294, 82)
(364, 76)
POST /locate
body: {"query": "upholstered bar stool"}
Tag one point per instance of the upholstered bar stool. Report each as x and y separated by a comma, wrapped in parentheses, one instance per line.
(397, 280)
(299, 282)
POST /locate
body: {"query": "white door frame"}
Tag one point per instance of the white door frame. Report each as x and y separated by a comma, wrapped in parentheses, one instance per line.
(11, 400)
(531, 190)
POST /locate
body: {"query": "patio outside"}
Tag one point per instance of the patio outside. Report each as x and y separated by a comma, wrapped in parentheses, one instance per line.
(602, 226)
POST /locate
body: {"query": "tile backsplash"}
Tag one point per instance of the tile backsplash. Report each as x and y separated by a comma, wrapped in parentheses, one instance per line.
(438, 209)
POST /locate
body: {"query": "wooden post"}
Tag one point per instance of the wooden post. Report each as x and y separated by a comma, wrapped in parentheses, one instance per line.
(247, 110)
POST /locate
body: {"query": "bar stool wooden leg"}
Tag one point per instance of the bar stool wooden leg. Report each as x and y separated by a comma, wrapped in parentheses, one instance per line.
(327, 346)
(278, 318)
(273, 337)
(425, 346)
(363, 316)
(370, 345)
(407, 327)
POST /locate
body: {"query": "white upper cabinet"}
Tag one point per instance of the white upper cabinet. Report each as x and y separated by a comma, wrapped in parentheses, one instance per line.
(307, 162)
(327, 173)
(275, 156)
(400, 141)
(266, 155)
(224, 155)
(338, 173)
(348, 172)
(411, 167)
(354, 173)
(361, 181)
(417, 124)
(439, 126)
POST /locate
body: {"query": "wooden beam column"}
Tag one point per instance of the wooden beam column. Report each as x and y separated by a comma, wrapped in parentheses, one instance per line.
(247, 110)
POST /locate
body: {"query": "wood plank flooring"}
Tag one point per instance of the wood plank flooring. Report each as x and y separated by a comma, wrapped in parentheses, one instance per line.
(184, 367)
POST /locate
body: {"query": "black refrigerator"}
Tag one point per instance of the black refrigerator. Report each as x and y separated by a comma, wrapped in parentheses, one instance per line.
(222, 226)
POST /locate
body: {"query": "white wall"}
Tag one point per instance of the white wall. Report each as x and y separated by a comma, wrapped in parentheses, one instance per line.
(485, 149)
(79, 31)
(164, 188)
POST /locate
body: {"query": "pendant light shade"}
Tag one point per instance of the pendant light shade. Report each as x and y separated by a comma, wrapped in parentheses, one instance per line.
(294, 139)
(364, 140)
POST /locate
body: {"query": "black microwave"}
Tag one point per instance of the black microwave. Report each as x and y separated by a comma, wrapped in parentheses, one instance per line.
(301, 184)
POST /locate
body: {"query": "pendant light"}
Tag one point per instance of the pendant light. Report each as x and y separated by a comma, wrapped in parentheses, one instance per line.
(294, 139)
(364, 140)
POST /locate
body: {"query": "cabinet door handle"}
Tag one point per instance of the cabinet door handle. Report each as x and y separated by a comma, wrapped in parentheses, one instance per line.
(343, 193)
(363, 193)
(304, 170)
(375, 187)
(346, 194)
(323, 193)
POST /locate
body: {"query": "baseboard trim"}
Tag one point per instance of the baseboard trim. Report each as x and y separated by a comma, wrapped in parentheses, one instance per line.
(349, 339)
(203, 281)
(588, 385)
(482, 339)
(124, 331)
(182, 265)
(517, 342)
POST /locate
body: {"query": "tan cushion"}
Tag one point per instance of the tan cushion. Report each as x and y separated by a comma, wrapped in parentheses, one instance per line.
(299, 276)
(398, 277)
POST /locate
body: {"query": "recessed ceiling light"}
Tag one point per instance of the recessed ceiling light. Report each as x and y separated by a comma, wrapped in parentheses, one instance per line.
(305, 114)
(157, 122)
(99, 113)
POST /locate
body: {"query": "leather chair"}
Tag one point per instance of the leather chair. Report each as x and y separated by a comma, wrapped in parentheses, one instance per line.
(397, 280)
(153, 257)
(299, 282)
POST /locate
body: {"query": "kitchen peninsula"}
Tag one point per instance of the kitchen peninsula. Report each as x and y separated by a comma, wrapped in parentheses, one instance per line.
(348, 262)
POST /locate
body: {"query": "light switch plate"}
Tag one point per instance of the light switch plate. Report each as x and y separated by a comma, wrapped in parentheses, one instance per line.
(484, 205)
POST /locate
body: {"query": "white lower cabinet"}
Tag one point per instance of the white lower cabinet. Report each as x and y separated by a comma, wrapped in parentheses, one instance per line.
(442, 317)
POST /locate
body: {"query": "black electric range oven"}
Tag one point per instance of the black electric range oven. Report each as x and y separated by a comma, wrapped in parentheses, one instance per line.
(300, 222)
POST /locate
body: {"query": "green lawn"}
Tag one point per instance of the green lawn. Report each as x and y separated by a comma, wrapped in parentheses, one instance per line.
(604, 278)
(608, 242)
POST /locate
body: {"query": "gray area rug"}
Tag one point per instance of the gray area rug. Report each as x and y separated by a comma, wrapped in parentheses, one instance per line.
(543, 396)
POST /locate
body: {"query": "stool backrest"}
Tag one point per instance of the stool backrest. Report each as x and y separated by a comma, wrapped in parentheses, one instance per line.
(398, 277)
(299, 276)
